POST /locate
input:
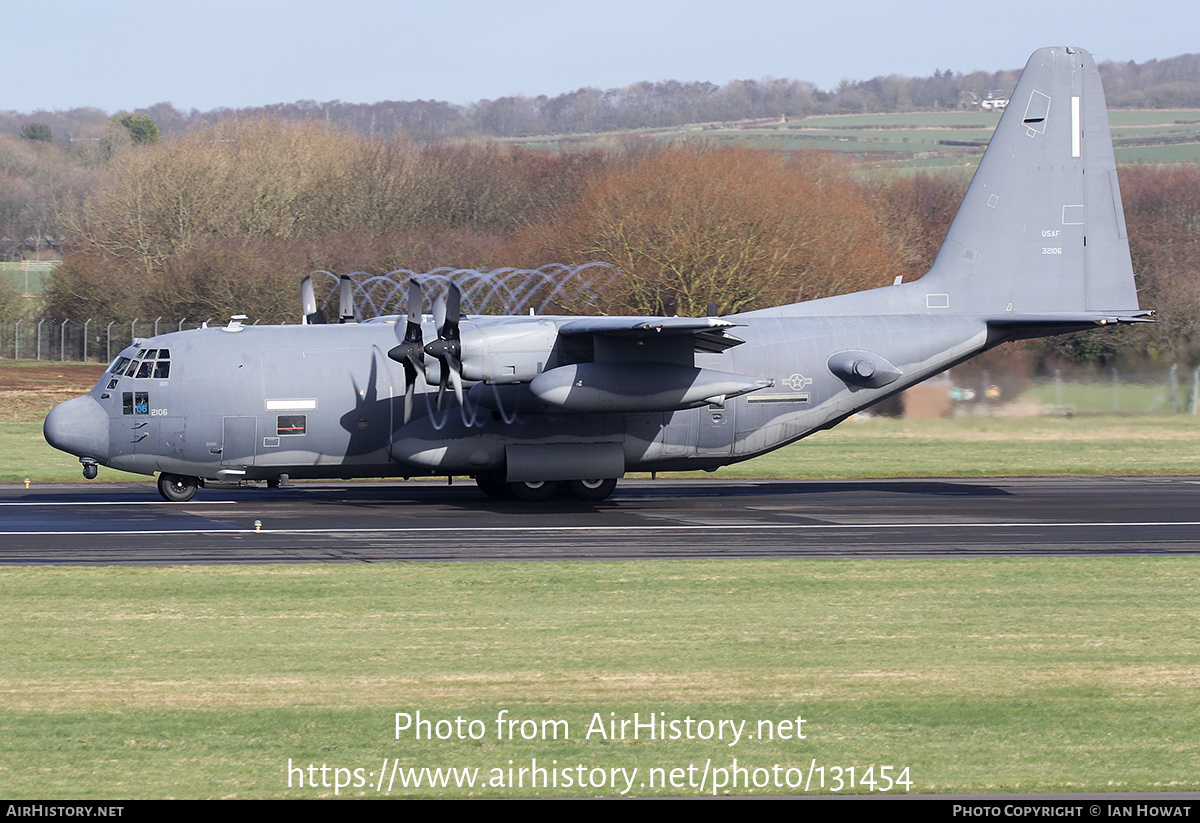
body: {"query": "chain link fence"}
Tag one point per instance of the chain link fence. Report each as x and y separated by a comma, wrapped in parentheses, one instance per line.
(87, 340)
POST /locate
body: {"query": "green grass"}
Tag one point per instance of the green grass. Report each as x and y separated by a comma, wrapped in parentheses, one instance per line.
(981, 446)
(24, 453)
(978, 675)
(1106, 398)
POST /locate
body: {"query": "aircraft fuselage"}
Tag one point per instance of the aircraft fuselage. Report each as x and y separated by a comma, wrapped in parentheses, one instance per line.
(257, 402)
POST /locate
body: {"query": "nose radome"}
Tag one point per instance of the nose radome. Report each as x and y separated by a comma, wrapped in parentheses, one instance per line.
(78, 427)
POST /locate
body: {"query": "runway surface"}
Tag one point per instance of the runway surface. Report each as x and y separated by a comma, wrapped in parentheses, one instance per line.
(379, 522)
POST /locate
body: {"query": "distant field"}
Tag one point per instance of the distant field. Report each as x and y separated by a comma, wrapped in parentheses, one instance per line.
(31, 280)
(917, 139)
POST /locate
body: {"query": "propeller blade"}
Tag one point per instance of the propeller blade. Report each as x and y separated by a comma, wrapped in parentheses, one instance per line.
(439, 314)
(311, 313)
(447, 349)
(442, 378)
(415, 302)
(412, 332)
(453, 298)
(410, 352)
(346, 312)
(456, 378)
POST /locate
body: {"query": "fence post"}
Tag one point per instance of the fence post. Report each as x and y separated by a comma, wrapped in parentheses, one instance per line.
(17, 340)
(181, 324)
(62, 341)
(85, 334)
(39, 338)
(108, 340)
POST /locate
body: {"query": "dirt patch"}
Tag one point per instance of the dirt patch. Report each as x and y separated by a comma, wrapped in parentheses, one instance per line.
(29, 389)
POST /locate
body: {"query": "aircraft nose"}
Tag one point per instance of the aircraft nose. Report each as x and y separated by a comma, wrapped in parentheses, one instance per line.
(78, 427)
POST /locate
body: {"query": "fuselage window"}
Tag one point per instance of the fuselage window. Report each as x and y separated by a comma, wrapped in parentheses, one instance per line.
(118, 366)
(286, 424)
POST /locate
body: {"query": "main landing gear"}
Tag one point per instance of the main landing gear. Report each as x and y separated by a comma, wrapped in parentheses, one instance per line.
(175, 488)
(537, 490)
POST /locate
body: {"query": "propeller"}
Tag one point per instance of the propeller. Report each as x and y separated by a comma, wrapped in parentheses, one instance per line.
(312, 314)
(447, 349)
(410, 353)
(346, 312)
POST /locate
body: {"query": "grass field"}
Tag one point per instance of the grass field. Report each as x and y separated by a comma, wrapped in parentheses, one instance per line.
(975, 675)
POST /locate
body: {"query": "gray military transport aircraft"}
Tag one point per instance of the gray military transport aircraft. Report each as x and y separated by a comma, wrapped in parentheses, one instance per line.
(1037, 248)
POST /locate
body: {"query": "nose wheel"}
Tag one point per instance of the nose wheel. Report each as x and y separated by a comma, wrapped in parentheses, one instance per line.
(175, 488)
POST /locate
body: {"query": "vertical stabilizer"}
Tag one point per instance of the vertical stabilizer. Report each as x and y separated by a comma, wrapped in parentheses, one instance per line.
(1041, 228)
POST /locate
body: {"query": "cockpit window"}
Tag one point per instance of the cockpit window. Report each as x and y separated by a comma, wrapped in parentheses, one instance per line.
(152, 363)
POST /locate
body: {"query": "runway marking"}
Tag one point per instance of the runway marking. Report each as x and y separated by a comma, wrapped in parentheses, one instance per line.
(127, 503)
(694, 527)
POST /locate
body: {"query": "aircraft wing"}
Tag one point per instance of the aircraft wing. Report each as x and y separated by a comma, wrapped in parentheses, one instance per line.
(708, 333)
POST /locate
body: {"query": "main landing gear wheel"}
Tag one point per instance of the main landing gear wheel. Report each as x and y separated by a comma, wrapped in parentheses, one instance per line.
(176, 488)
(534, 490)
(591, 489)
(493, 487)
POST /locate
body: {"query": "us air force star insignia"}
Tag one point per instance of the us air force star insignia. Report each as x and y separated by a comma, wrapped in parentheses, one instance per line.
(797, 381)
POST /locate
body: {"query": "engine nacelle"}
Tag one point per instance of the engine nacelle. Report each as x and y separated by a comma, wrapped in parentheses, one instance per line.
(506, 352)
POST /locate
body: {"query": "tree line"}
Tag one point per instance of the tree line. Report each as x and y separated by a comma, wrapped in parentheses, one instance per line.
(223, 216)
(1169, 83)
(227, 218)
